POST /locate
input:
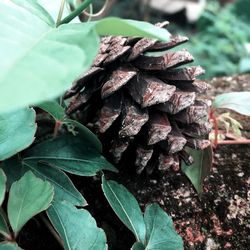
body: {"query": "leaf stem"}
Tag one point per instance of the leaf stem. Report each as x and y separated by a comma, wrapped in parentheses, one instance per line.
(76, 12)
(60, 13)
(51, 229)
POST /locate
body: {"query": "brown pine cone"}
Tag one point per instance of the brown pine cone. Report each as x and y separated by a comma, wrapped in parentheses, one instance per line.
(143, 103)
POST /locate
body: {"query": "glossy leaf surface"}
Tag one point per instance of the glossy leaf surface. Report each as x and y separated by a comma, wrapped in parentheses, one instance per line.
(125, 27)
(4, 230)
(64, 189)
(28, 197)
(200, 169)
(39, 61)
(17, 130)
(160, 232)
(76, 227)
(237, 101)
(71, 154)
(2, 186)
(126, 207)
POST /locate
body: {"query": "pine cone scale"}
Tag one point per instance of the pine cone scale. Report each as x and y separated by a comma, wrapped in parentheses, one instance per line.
(143, 103)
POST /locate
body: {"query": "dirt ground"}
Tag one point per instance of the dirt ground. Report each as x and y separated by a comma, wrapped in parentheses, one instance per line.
(219, 220)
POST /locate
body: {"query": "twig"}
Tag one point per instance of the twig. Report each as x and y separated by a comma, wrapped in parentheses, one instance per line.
(51, 229)
(233, 142)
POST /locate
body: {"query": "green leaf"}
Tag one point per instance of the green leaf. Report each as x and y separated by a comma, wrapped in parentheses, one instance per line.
(13, 169)
(39, 61)
(86, 134)
(17, 130)
(71, 154)
(33, 7)
(160, 230)
(64, 189)
(76, 227)
(4, 229)
(28, 197)
(126, 207)
(237, 101)
(124, 27)
(54, 109)
(9, 246)
(138, 246)
(2, 186)
(200, 169)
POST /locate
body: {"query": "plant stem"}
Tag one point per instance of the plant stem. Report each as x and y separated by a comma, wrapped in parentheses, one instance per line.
(233, 142)
(60, 13)
(51, 229)
(76, 12)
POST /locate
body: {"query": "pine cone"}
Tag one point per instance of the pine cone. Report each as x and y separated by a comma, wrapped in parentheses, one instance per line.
(142, 104)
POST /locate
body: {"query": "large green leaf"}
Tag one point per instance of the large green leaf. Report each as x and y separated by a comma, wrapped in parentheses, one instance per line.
(71, 154)
(126, 207)
(64, 189)
(237, 101)
(38, 60)
(200, 169)
(2, 186)
(9, 246)
(17, 130)
(160, 233)
(28, 197)
(4, 229)
(124, 27)
(76, 227)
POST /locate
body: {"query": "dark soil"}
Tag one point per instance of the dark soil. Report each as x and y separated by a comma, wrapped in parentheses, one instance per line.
(219, 220)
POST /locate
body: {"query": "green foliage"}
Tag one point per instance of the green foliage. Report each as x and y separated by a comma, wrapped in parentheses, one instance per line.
(116, 26)
(4, 229)
(126, 207)
(20, 123)
(9, 246)
(76, 227)
(153, 232)
(71, 154)
(237, 101)
(42, 55)
(40, 59)
(200, 168)
(28, 197)
(160, 232)
(63, 187)
(2, 186)
(220, 43)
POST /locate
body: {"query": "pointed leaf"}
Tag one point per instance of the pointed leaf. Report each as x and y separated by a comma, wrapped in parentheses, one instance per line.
(4, 229)
(200, 169)
(126, 207)
(28, 197)
(160, 230)
(54, 109)
(71, 154)
(237, 101)
(21, 124)
(76, 227)
(43, 58)
(138, 246)
(64, 189)
(2, 186)
(9, 246)
(125, 27)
